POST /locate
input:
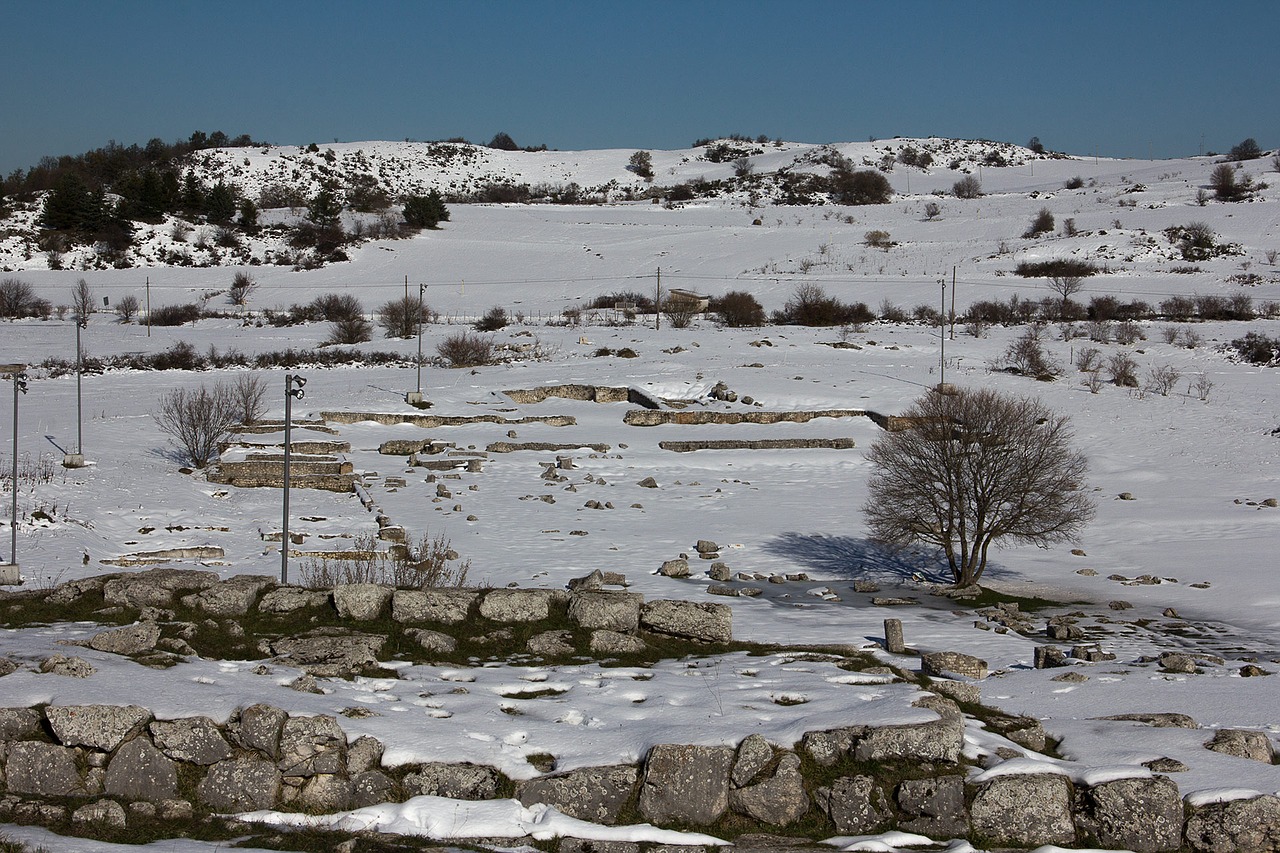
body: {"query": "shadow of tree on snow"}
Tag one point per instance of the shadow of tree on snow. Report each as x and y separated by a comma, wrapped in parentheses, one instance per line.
(862, 559)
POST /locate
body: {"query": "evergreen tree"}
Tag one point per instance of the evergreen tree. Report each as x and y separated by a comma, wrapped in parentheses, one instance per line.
(425, 211)
(324, 208)
(192, 198)
(220, 203)
(68, 204)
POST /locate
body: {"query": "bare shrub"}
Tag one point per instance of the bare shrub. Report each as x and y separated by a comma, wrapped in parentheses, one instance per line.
(1191, 338)
(679, 312)
(1026, 356)
(127, 308)
(424, 564)
(1066, 286)
(1093, 381)
(967, 187)
(1088, 359)
(350, 330)
(493, 320)
(878, 239)
(242, 284)
(1170, 334)
(1129, 332)
(1043, 223)
(175, 315)
(198, 420)
(1100, 331)
(1123, 370)
(337, 306)
(18, 299)
(931, 210)
(737, 309)
(464, 349)
(1201, 385)
(1162, 378)
(401, 318)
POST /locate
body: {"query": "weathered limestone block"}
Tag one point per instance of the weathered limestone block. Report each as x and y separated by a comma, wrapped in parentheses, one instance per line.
(232, 597)
(1242, 743)
(934, 807)
(612, 643)
(289, 599)
(363, 754)
(139, 771)
(446, 606)
(196, 740)
(596, 794)
(240, 785)
(370, 788)
(711, 623)
(677, 568)
(938, 741)
(517, 605)
(456, 781)
(363, 602)
(754, 754)
(1236, 825)
(258, 727)
(686, 784)
(552, 644)
(325, 793)
(44, 770)
(310, 746)
(129, 640)
(154, 588)
(828, 747)
(432, 641)
(330, 652)
(102, 727)
(778, 801)
(945, 664)
(1024, 810)
(19, 723)
(609, 611)
(1142, 815)
(855, 804)
(101, 813)
(71, 667)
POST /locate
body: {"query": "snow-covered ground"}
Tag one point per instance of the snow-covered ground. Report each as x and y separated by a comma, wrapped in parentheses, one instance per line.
(1198, 470)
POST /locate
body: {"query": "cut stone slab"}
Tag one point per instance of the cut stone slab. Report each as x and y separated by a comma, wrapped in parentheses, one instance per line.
(195, 740)
(1024, 810)
(686, 784)
(139, 771)
(445, 606)
(101, 727)
(692, 620)
(944, 664)
(129, 640)
(241, 785)
(595, 794)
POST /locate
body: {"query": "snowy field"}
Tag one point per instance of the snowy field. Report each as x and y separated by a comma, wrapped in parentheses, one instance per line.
(1198, 469)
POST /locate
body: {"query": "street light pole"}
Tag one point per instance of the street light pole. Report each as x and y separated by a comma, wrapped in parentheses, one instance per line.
(422, 289)
(292, 388)
(76, 460)
(942, 336)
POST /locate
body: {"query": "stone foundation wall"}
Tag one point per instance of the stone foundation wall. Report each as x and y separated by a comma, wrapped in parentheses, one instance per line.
(103, 765)
(646, 417)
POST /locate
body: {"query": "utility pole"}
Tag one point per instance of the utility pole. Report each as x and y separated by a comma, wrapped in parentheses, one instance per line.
(942, 338)
(953, 302)
(76, 460)
(657, 303)
(148, 306)
(414, 398)
(292, 388)
(10, 574)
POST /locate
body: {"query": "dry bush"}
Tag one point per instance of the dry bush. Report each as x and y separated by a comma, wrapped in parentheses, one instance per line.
(401, 318)
(1162, 378)
(1027, 357)
(1200, 386)
(466, 350)
(247, 396)
(1123, 370)
(198, 420)
(127, 308)
(350, 330)
(1088, 359)
(424, 564)
(967, 187)
(738, 308)
(1042, 224)
(1129, 332)
(242, 284)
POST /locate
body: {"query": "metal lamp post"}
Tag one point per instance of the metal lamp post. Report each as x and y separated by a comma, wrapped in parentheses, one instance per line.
(292, 388)
(9, 574)
(942, 339)
(415, 398)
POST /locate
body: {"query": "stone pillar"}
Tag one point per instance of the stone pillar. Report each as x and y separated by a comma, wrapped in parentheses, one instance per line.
(893, 636)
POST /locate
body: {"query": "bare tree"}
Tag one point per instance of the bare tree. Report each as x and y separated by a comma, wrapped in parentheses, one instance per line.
(81, 302)
(977, 468)
(197, 420)
(247, 396)
(1066, 286)
(16, 297)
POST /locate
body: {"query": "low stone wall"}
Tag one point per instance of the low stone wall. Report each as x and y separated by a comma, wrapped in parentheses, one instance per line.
(434, 421)
(645, 417)
(758, 444)
(107, 766)
(515, 446)
(570, 391)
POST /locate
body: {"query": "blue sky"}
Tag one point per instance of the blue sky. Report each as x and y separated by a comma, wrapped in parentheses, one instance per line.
(1126, 78)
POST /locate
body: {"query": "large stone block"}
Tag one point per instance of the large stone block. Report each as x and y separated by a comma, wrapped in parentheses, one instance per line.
(139, 771)
(310, 746)
(102, 727)
(693, 620)
(44, 770)
(361, 601)
(855, 804)
(1024, 810)
(1142, 815)
(456, 781)
(609, 611)
(258, 727)
(446, 606)
(517, 605)
(686, 784)
(1236, 826)
(934, 807)
(778, 801)
(129, 640)
(241, 785)
(196, 740)
(595, 794)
